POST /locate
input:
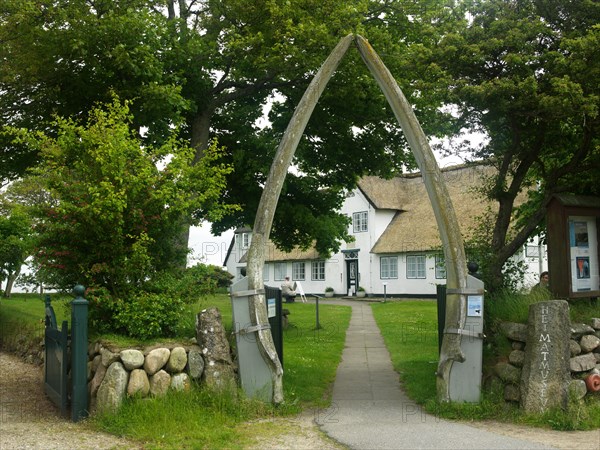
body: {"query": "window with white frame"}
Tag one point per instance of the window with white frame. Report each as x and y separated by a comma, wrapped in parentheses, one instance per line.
(318, 270)
(388, 267)
(440, 267)
(279, 271)
(360, 221)
(298, 270)
(240, 272)
(415, 266)
(245, 239)
(266, 272)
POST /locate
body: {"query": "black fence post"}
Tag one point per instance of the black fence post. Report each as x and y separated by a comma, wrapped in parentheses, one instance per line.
(441, 313)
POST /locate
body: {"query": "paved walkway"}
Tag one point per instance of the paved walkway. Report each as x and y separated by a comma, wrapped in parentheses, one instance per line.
(370, 411)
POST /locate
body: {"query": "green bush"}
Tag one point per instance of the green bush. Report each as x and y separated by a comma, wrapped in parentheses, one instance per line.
(190, 284)
(101, 310)
(147, 315)
(155, 308)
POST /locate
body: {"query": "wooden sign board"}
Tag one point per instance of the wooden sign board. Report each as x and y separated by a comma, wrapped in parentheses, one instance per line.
(573, 253)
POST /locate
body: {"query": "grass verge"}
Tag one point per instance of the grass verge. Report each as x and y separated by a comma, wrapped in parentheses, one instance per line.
(208, 419)
(204, 418)
(409, 329)
(22, 324)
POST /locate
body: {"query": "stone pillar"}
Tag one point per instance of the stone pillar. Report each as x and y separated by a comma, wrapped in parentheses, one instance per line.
(545, 377)
(212, 339)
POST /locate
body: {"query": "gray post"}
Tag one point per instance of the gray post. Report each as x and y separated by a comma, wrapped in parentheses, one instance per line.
(318, 325)
(79, 357)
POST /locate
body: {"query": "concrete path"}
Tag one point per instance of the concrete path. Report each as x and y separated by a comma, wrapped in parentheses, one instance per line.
(370, 411)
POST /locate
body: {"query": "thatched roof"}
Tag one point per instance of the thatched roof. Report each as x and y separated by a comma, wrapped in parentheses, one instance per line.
(414, 227)
(273, 254)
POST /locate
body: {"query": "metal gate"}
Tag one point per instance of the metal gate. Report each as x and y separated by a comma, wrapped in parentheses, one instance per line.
(67, 394)
(56, 359)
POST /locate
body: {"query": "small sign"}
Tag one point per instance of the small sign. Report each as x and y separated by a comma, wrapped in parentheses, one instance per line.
(474, 305)
(271, 311)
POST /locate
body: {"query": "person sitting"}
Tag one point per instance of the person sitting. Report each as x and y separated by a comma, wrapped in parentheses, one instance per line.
(543, 285)
(287, 291)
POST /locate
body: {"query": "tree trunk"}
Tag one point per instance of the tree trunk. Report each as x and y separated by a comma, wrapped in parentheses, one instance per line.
(10, 280)
(200, 132)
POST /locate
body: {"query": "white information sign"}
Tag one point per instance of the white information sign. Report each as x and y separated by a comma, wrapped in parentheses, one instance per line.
(300, 291)
(271, 311)
(583, 244)
(474, 305)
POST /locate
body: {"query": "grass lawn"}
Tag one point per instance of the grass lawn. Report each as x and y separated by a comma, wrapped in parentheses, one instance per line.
(311, 356)
(22, 321)
(205, 419)
(409, 329)
(29, 308)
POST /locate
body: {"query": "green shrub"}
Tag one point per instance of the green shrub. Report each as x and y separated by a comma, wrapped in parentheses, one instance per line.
(190, 284)
(147, 315)
(101, 310)
(156, 307)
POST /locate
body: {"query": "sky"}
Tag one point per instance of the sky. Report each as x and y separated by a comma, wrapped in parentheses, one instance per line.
(206, 247)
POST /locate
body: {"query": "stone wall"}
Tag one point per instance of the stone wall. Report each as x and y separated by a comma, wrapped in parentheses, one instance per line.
(583, 361)
(115, 373)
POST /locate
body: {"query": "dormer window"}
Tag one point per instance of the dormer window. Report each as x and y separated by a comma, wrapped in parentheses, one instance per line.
(245, 239)
(360, 221)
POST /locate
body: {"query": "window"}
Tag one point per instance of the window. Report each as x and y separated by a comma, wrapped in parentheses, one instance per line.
(240, 271)
(245, 240)
(360, 221)
(280, 271)
(388, 267)
(415, 266)
(532, 251)
(318, 270)
(440, 267)
(298, 270)
(266, 272)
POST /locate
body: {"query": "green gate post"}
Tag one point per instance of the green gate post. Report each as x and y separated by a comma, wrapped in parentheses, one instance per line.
(79, 356)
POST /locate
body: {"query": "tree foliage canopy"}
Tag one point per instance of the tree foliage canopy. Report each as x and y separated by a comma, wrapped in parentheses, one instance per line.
(527, 75)
(209, 68)
(15, 242)
(106, 208)
(522, 72)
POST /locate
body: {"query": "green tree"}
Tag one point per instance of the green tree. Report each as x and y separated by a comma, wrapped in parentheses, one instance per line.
(15, 243)
(526, 73)
(106, 207)
(210, 67)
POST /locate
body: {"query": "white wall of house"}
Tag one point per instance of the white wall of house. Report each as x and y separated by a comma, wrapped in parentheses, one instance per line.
(535, 258)
(405, 274)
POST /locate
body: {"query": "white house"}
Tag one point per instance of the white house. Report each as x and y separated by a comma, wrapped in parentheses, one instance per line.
(396, 248)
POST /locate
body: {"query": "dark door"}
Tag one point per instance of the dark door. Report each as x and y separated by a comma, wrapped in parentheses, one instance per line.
(352, 276)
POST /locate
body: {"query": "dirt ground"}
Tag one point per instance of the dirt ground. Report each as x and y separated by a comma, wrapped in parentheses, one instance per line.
(28, 420)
